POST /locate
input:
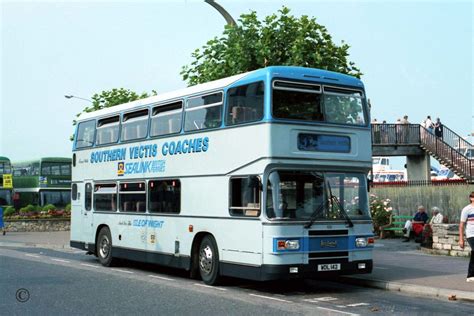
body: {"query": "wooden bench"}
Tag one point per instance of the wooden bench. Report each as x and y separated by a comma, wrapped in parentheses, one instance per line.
(396, 224)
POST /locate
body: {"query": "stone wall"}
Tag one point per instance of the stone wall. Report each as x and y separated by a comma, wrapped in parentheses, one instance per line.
(37, 225)
(445, 241)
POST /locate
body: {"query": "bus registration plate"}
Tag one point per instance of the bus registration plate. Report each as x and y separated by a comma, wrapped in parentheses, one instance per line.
(329, 267)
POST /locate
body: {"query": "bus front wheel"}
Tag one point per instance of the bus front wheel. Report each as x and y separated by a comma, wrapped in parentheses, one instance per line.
(104, 247)
(209, 260)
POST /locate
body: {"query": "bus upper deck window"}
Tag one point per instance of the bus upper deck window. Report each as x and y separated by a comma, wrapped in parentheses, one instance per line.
(245, 104)
(343, 106)
(296, 101)
(203, 112)
(85, 134)
(166, 119)
(108, 130)
(135, 125)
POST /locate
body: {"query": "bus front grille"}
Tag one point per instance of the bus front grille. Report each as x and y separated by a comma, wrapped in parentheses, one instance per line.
(340, 232)
(334, 254)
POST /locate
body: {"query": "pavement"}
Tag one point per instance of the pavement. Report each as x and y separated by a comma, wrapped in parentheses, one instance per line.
(398, 266)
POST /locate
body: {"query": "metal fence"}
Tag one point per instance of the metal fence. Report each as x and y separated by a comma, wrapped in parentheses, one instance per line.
(449, 148)
(411, 183)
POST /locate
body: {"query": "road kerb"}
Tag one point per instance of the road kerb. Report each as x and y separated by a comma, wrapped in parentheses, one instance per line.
(440, 293)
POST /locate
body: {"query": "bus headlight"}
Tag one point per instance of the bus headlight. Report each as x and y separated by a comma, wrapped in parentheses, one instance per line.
(290, 244)
(361, 242)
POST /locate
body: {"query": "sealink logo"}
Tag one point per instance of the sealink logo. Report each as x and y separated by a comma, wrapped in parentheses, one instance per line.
(120, 168)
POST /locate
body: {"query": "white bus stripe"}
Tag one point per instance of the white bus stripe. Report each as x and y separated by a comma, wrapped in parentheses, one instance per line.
(271, 298)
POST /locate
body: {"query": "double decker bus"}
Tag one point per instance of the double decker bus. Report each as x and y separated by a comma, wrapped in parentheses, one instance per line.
(5, 181)
(261, 175)
(43, 181)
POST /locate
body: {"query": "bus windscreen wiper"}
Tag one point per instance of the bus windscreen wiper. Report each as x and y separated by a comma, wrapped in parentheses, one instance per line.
(313, 216)
(341, 209)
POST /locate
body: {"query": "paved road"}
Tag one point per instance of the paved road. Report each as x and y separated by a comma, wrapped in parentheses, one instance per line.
(68, 281)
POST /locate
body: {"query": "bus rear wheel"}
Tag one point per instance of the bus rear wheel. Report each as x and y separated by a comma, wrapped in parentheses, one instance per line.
(208, 261)
(104, 247)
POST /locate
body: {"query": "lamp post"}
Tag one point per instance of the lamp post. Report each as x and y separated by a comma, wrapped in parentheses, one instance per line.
(70, 96)
(228, 18)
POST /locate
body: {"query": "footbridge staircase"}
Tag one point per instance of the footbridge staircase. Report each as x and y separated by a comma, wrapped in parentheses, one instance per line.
(450, 149)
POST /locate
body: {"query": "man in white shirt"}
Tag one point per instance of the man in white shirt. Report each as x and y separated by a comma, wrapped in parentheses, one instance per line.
(429, 124)
(467, 221)
(436, 217)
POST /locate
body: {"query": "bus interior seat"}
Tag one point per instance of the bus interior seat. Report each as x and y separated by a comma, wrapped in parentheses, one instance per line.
(154, 206)
(129, 132)
(174, 125)
(141, 206)
(128, 206)
(141, 129)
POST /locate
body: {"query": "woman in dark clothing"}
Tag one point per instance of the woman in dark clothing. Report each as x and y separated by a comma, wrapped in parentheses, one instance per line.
(438, 128)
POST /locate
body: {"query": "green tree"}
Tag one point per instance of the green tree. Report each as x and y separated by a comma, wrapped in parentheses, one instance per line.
(280, 39)
(109, 98)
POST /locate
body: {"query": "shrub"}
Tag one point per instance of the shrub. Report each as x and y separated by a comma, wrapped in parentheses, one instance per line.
(48, 207)
(380, 210)
(68, 208)
(9, 211)
(59, 213)
(27, 209)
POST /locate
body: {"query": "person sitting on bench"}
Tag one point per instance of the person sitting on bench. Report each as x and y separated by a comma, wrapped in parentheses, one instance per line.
(416, 225)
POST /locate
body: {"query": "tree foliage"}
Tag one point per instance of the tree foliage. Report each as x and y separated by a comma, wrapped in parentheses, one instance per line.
(109, 98)
(280, 39)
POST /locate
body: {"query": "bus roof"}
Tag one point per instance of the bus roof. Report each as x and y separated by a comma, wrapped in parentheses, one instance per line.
(298, 73)
(2, 158)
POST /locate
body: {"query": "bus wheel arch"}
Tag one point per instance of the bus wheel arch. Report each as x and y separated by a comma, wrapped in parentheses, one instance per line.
(207, 259)
(207, 240)
(103, 248)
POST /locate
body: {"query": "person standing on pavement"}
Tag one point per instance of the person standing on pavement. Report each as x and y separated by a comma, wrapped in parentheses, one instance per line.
(467, 222)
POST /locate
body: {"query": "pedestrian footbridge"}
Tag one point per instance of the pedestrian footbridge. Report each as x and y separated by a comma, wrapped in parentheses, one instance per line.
(418, 145)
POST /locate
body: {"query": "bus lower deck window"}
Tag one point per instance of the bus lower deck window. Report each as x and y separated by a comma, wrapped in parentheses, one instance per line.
(132, 197)
(164, 196)
(245, 196)
(105, 197)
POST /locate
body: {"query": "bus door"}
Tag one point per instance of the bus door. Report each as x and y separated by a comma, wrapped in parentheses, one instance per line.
(86, 211)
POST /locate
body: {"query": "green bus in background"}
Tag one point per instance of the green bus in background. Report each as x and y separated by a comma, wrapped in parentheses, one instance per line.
(6, 186)
(42, 182)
